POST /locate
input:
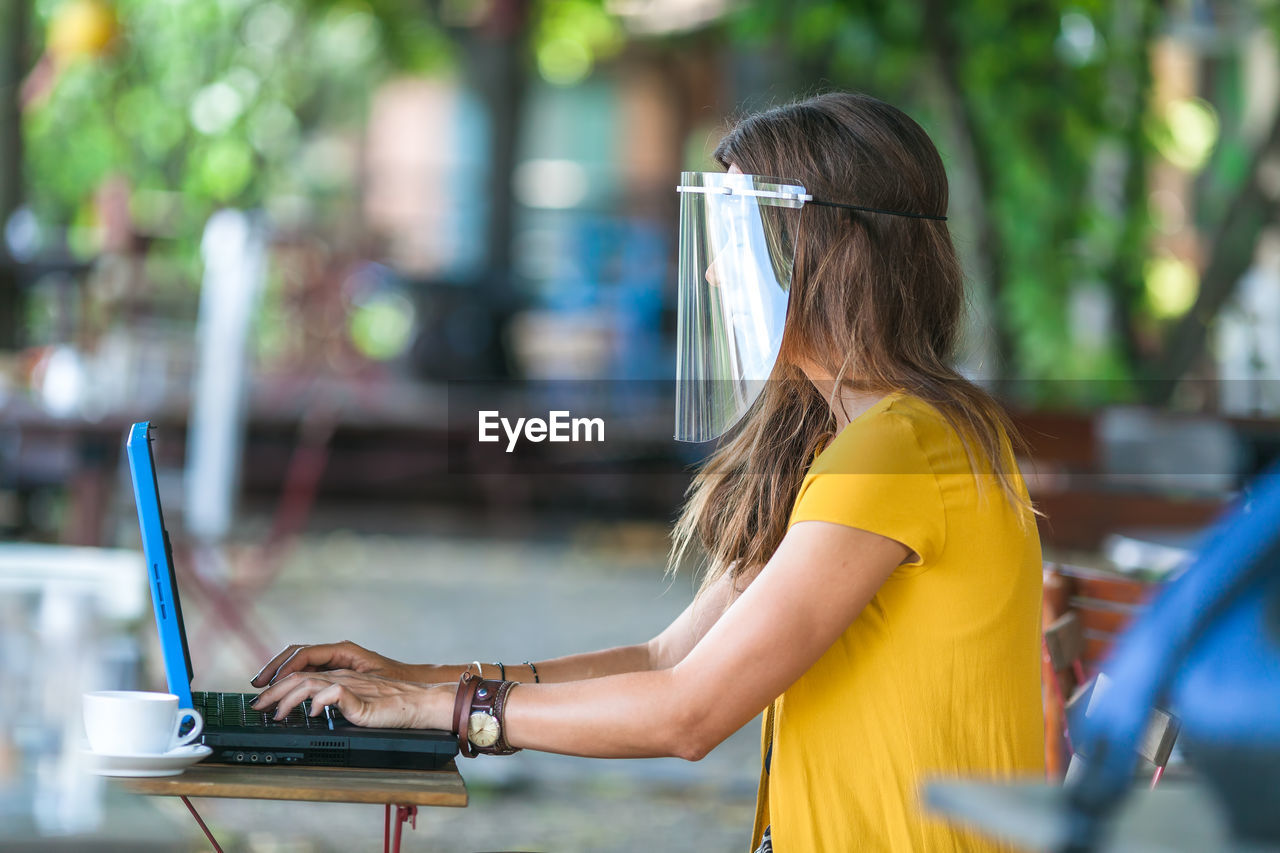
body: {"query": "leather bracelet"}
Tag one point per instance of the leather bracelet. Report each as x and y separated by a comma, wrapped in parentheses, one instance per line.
(500, 711)
(461, 707)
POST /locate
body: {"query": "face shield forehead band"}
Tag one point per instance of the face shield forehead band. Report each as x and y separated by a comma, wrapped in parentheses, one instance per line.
(737, 250)
(802, 197)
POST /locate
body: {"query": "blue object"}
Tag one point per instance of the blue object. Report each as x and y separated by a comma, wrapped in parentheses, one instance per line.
(159, 554)
(1209, 646)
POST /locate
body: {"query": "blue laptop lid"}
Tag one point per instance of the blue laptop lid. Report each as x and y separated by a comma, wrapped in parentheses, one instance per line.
(155, 545)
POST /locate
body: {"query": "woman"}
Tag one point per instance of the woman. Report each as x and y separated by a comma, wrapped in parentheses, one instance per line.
(873, 579)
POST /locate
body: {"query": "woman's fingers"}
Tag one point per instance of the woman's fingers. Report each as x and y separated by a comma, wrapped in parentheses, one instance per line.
(326, 656)
(366, 700)
(331, 695)
(263, 678)
(290, 693)
(304, 658)
(341, 698)
(307, 658)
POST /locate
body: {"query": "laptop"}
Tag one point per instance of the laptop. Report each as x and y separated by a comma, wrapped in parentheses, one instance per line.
(235, 732)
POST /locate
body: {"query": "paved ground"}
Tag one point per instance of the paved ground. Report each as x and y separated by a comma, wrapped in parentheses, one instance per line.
(545, 595)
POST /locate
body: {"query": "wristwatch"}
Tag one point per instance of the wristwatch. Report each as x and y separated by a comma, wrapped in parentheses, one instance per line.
(483, 727)
(483, 702)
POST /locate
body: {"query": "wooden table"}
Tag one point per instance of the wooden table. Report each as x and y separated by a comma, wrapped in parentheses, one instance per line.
(405, 789)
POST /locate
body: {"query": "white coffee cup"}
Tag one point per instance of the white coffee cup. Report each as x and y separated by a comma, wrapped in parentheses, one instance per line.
(131, 722)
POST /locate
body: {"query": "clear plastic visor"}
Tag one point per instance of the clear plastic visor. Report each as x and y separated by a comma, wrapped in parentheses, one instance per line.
(737, 248)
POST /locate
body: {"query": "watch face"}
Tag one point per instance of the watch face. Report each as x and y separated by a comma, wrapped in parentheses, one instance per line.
(482, 729)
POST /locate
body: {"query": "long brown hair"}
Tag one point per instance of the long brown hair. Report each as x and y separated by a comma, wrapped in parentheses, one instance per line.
(874, 297)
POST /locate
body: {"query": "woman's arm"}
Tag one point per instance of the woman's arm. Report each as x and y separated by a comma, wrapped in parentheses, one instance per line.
(663, 651)
(679, 638)
(817, 583)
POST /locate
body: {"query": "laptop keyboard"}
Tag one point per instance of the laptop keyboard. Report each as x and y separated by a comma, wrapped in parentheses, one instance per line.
(233, 710)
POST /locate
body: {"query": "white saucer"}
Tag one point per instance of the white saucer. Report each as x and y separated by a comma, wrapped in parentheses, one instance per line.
(170, 763)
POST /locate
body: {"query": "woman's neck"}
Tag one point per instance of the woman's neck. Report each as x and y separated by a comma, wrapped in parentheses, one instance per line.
(847, 402)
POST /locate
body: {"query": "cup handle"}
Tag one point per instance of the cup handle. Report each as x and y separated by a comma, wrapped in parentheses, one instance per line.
(183, 713)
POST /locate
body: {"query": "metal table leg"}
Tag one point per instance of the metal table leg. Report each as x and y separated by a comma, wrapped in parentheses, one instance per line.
(404, 814)
(207, 834)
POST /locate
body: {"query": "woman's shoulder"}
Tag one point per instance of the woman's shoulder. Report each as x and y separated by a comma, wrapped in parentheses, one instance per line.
(893, 490)
(924, 418)
(900, 433)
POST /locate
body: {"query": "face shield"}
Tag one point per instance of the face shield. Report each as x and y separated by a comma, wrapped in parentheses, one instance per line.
(737, 249)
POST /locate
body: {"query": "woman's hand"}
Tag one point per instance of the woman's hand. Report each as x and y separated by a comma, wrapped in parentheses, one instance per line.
(331, 656)
(366, 700)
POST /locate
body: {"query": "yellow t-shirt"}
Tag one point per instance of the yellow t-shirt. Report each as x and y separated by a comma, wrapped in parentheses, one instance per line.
(939, 676)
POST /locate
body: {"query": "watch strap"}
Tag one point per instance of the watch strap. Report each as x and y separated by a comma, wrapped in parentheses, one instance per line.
(489, 697)
(467, 686)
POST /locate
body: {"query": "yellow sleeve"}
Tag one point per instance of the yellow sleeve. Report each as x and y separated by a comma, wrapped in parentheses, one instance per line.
(876, 476)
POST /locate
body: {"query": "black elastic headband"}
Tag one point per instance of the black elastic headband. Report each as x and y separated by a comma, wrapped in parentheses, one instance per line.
(905, 213)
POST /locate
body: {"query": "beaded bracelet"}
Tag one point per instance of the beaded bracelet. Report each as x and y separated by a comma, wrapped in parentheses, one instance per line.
(529, 664)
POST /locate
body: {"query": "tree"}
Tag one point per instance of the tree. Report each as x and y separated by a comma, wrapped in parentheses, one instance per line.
(200, 105)
(13, 26)
(1047, 109)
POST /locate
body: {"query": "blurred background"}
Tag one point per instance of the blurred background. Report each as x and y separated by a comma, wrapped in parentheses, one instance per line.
(288, 231)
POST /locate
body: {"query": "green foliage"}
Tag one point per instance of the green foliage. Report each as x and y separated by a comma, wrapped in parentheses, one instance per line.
(1043, 104)
(570, 36)
(206, 103)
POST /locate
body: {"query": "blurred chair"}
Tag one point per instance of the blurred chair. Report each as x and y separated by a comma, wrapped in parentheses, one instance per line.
(1063, 650)
(1063, 647)
(1104, 602)
(1155, 746)
(1084, 609)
